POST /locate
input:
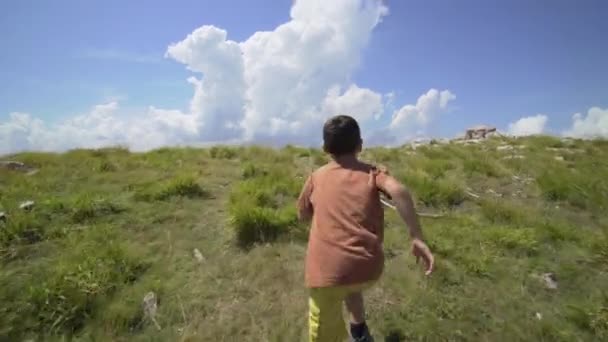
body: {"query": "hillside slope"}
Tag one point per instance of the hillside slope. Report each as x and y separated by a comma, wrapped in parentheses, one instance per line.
(108, 227)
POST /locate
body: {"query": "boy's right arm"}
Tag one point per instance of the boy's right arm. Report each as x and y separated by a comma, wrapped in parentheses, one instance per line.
(406, 209)
(304, 204)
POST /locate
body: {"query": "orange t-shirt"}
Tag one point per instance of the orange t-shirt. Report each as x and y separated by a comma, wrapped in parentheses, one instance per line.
(346, 235)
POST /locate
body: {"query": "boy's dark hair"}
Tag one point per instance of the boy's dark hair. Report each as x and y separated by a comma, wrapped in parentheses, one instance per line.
(341, 135)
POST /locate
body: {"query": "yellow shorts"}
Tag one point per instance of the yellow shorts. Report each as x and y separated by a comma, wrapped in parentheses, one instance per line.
(325, 320)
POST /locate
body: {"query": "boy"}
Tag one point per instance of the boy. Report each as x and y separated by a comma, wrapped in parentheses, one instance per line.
(344, 255)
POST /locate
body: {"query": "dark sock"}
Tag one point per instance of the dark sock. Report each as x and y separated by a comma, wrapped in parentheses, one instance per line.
(358, 330)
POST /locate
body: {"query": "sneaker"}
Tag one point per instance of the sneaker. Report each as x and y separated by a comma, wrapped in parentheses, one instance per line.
(365, 338)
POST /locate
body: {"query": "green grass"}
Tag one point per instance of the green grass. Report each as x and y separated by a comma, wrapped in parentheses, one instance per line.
(110, 226)
(178, 187)
(432, 192)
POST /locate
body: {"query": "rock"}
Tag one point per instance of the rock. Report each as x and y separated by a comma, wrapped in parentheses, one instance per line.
(12, 165)
(198, 256)
(559, 158)
(2, 217)
(150, 305)
(492, 192)
(479, 132)
(504, 148)
(27, 205)
(15, 166)
(539, 316)
(515, 156)
(550, 281)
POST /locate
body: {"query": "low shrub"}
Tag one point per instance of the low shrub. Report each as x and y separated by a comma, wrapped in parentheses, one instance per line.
(223, 152)
(437, 168)
(502, 211)
(520, 240)
(435, 193)
(63, 296)
(22, 228)
(106, 166)
(481, 164)
(559, 232)
(250, 170)
(599, 323)
(179, 187)
(584, 189)
(260, 225)
(87, 208)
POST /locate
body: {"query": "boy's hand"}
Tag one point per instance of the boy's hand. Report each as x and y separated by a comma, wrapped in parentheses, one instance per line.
(421, 250)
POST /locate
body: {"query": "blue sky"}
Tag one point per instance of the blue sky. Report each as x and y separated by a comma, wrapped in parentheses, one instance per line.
(503, 60)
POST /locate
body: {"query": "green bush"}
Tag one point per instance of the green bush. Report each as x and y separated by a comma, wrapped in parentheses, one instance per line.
(599, 248)
(262, 206)
(559, 232)
(436, 193)
(259, 225)
(583, 188)
(106, 166)
(179, 187)
(383, 154)
(223, 152)
(436, 168)
(22, 228)
(481, 164)
(541, 142)
(523, 240)
(320, 159)
(556, 184)
(253, 192)
(88, 208)
(252, 171)
(598, 322)
(61, 297)
(502, 211)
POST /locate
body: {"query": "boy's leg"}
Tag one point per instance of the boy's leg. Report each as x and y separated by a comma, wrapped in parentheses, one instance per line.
(355, 307)
(356, 310)
(325, 321)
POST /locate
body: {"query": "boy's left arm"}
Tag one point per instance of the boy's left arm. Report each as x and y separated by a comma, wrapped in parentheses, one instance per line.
(305, 209)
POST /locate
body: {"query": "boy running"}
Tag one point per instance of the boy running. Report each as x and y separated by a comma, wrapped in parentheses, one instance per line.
(345, 256)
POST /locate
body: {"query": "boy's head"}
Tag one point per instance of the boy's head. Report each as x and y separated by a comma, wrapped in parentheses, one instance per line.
(341, 136)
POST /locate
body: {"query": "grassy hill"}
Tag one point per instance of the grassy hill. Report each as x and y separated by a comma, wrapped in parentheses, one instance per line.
(109, 226)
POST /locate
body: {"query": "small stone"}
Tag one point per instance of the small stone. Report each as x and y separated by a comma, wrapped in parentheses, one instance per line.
(16, 166)
(12, 165)
(504, 148)
(539, 316)
(2, 217)
(150, 304)
(515, 156)
(198, 255)
(550, 281)
(27, 205)
(559, 158)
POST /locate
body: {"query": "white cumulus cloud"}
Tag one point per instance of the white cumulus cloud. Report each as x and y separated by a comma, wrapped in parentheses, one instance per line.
(360, 103)
(276, 87)
(594, 125)
(416, 116)
(103, 125)
(530, 125)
